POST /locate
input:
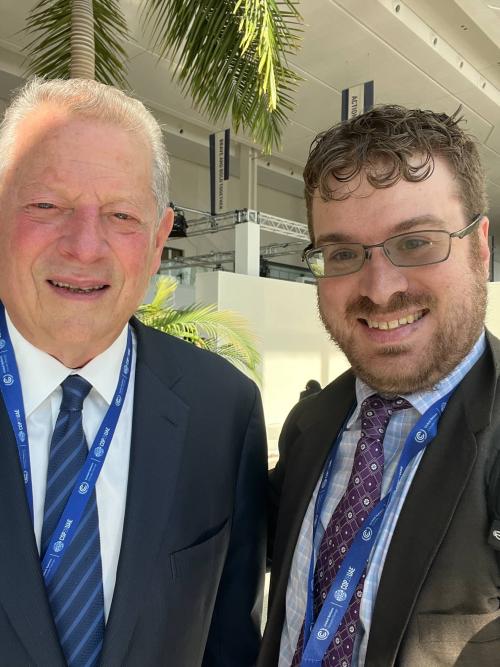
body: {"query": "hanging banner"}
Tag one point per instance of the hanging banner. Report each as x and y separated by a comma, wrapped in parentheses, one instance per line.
(357, 99)
(219, 171)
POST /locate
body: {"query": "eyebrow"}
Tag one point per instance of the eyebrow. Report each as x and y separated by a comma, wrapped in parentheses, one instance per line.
(41, 189)
(431, 221)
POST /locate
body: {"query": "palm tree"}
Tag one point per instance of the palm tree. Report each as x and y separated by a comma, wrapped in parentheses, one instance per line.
(221, 331)
(230, 55)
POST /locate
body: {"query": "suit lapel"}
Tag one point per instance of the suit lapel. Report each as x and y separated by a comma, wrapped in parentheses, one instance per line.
(319, 427)
(22, 590)
(422, 524)
(159, 426)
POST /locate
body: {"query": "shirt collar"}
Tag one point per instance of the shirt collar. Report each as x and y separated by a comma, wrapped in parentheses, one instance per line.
(422, 400)
(41, 374)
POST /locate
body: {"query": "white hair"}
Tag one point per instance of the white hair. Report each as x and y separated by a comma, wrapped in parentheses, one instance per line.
(93, 100)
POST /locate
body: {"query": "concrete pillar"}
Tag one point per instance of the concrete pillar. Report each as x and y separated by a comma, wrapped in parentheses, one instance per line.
(247, 248)
(248, 177)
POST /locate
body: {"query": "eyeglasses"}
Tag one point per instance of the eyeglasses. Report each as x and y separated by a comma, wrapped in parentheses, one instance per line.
(416, 248)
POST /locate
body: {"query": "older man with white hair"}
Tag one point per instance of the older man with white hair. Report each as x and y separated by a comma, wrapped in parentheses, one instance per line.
(132, 464)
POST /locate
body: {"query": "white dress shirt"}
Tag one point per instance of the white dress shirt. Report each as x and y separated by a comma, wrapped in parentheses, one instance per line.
(41, 376)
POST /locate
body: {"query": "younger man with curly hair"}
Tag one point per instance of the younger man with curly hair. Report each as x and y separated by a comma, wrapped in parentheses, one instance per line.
(380, 542)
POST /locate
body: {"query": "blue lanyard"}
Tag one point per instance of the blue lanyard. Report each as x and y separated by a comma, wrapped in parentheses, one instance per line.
(319, 635)
(87, 478)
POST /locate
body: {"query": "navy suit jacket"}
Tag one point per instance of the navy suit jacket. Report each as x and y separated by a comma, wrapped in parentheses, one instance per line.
(188, 587)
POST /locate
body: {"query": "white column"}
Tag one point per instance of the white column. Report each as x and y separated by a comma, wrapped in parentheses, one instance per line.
(247, 234)
(248, 177)
(247, 248)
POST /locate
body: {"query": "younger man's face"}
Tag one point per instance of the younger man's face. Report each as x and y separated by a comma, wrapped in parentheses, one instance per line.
(439, 308)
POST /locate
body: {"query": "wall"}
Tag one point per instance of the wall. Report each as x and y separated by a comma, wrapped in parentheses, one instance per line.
(190, 187)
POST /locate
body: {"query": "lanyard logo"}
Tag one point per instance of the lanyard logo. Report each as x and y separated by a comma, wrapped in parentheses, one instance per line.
(340, 596)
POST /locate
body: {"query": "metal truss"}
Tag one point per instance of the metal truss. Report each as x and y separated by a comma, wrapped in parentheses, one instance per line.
(210, 224)
(214, 259)
(210, 260)
(271, 223)
(280, 249)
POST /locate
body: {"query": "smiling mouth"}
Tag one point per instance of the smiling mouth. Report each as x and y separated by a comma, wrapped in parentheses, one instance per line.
(395, 324)
(75, 289)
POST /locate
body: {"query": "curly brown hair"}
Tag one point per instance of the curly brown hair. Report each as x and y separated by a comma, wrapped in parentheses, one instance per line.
(383, 144)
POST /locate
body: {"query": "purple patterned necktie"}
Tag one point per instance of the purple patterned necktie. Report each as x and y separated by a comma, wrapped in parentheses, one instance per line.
(362, 493)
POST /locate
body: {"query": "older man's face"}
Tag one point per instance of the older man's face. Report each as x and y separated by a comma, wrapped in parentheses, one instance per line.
(403, 329)
(78, 240)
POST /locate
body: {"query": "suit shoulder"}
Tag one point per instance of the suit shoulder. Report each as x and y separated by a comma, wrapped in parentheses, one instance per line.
(494, 344)
(189, 358)
(320, 403)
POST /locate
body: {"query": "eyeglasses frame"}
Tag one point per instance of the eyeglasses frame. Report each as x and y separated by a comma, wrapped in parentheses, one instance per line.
(459, 234)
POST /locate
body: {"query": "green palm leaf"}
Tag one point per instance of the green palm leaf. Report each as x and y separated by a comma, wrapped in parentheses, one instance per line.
(48, 54)
(221, 331)
(232, 58)
(231, 54)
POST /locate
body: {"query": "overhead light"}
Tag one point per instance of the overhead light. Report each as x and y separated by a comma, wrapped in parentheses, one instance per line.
(494, 7)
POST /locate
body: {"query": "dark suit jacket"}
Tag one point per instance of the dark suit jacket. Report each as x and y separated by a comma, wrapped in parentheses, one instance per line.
(438, 599)
(191, 563)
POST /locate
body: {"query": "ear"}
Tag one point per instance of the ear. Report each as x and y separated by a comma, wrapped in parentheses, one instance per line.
(161, 235)
(484, 247)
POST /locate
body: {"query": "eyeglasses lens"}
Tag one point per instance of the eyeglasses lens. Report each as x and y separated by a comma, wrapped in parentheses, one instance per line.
(418, 248)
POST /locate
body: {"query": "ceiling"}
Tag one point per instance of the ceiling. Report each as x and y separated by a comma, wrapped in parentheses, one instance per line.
(435, 54)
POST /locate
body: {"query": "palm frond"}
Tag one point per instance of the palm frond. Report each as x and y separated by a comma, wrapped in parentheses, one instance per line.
(232, 58)
(222, 331)
(48, 54)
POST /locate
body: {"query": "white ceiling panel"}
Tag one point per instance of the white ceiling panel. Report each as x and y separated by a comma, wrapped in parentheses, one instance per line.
(315, 102)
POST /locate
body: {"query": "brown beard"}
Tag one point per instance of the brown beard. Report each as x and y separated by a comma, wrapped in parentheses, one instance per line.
(450, 343)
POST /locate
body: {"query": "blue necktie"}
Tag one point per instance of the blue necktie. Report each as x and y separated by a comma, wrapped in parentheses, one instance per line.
(75, 591)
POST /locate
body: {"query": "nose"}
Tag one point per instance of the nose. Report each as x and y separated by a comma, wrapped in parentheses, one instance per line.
(83, 237)
(380, 279)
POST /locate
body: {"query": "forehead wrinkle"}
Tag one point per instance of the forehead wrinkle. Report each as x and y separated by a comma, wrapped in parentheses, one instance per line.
(122, 196)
